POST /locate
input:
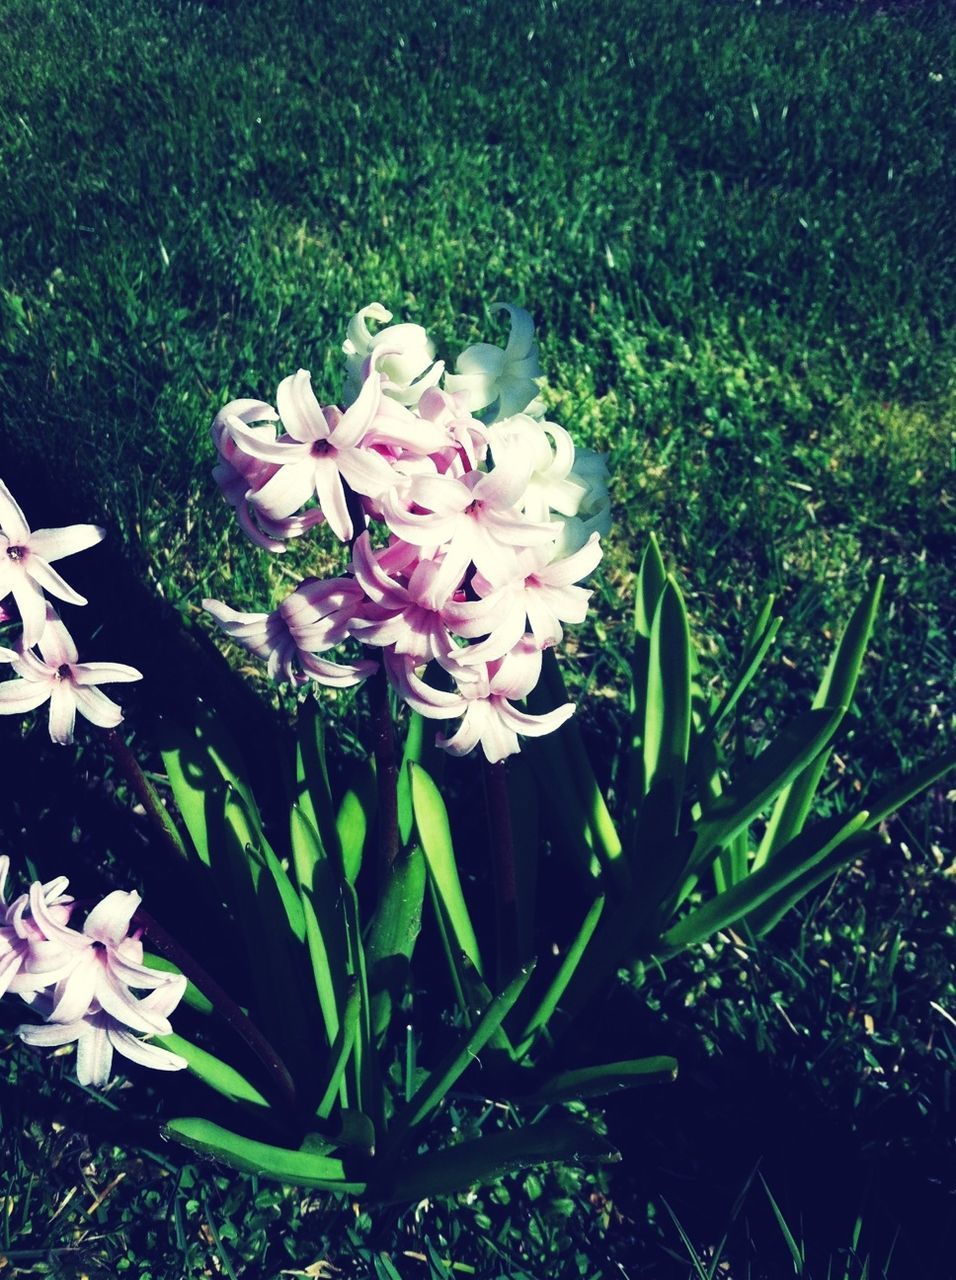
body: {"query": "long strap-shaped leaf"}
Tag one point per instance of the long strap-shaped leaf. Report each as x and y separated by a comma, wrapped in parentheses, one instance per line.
(212, 1071)
(443, 1078)
(836, 689)
(597, 1082)
(321, 897)
(763, 779)
(431, 819)
(483, 1160)
(537, 1024)
(392, 934)
(651, 580)
(667, 713)
(282, 1164)
(800, 855)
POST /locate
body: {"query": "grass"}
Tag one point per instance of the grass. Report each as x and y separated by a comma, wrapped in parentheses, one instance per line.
(733, 225)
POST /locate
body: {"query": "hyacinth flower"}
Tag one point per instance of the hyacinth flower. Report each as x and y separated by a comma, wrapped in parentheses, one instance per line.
(484, 702)
(98, 1035)
(25, 568)
(408, 617)
(240, 476)
(404, 353)
(22, 940)
(475, 520)
(320, 450)
(490, 375)
(104, 963)
(59, 677)
(314, 618)
(539, 598)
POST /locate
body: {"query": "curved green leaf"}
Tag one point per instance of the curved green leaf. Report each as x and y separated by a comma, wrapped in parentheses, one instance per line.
(212, 1071)
(282, 1164)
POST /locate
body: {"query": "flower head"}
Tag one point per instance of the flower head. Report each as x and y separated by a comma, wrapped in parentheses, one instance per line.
(25, 569)
(58, 677)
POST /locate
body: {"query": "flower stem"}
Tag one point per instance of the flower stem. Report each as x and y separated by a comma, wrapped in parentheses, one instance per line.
(503, 868)
(223, 1003)
(386, 766)
(146, 793)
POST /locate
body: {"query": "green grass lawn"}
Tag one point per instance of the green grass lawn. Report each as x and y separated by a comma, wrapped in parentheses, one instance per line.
(733, 224)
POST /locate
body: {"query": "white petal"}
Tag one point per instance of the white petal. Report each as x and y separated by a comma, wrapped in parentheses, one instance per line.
(94, 1058)
(12, 520)
(53, 544)
(109, 921)
(62, 713)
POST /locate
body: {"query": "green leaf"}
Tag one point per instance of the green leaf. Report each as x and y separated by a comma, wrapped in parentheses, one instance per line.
(195, 783)
(355, 819)
(392, 935)
(483, 1160)
(538, 1022)
(909, 786)
(768, 915)
(443, 1078)
(602, 837)
(431, 819)
(282, 1164)
(651, 580)
(313, 791)
(801, 854)
(341, 1049)
(596, 1082)
(414, 746)
(764, 633)
(321, 896)
(667, 717)
(836, 689)
(212, 1071)
(763, 779)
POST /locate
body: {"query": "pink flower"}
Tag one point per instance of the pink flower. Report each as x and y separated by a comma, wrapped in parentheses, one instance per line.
(106, 964)
(25, 569)
(98, 1035)
(540, 596)
(483, 701)
(408, 617)
(69, 685)
(240, 476)
(314, 618)
(22, 971)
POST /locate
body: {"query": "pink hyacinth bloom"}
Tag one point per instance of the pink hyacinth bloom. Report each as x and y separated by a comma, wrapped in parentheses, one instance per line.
(107, 964)
(25, 569)
(320, 450)
(69, 685)
(407, 617)
(240, 476)
(475, 520)
(484, 703)
(98, 1035)
(541, 596)
(22, 940)
(314, 618)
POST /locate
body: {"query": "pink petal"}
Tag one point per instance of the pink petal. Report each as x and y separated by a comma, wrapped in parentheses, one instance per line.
(53, 1034)
(143, 1054)
(299, 410)
(328, 486)
(94, 1057)
(288, 490)
(48, 578)
(32, 605)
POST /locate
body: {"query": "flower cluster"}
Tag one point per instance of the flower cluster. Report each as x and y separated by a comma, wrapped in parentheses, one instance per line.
(55, 675)
(82, 982)
(485, 519)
